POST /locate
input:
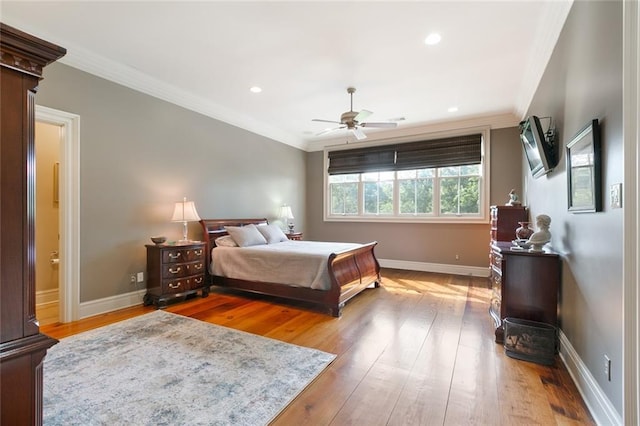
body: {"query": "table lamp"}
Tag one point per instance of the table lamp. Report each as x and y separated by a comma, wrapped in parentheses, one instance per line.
(185, 211)
(287, 216)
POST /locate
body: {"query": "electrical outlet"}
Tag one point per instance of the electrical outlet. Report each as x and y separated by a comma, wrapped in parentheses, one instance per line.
(607, 368)
(140, 277)
(457, 257)
(132, 278)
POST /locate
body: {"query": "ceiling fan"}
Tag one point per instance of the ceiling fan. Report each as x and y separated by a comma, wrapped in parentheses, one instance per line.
(353, 120)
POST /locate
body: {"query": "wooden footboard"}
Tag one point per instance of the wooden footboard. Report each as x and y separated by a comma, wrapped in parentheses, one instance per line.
(350, 271)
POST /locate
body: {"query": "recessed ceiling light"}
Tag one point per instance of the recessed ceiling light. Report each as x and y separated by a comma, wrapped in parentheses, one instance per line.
(433, 38)
(453, 109)
(256, 89)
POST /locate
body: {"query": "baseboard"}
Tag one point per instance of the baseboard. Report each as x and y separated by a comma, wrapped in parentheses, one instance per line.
(46, 296)
(603, 412)
(476, 271)
(113, 303)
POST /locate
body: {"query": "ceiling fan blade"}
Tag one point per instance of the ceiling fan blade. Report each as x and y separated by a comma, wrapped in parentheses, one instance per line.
(362, 115)
(359, 134)
(381, 125)
(325, 131)
(326, 121)
(396, 119)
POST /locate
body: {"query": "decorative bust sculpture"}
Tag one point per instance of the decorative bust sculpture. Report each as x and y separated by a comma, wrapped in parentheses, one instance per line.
(513, 198)
(542, 236)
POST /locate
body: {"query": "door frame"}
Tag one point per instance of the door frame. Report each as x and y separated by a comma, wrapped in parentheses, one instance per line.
(69, 216)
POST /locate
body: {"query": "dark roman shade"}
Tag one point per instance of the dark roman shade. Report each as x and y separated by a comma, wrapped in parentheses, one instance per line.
(445, 152)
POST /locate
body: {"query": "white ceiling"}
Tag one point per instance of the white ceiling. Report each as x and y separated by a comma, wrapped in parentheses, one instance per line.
(304, 54)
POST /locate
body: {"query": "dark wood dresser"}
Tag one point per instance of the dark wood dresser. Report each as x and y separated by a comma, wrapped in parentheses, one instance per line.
(174, 272)
(504, 221)
(22, 346)
(524, 285)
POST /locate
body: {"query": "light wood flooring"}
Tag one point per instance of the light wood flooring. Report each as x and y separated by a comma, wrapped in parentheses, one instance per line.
(419, 350)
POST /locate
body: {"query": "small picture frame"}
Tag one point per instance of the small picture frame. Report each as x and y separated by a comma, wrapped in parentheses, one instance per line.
(584, 170)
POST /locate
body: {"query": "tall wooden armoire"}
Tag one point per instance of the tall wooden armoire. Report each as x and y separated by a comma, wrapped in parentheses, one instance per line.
(22, 346)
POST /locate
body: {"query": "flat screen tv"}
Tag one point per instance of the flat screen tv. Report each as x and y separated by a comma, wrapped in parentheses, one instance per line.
(538, 150)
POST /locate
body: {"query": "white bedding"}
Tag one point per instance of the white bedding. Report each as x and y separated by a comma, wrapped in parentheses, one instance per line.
(296, 263)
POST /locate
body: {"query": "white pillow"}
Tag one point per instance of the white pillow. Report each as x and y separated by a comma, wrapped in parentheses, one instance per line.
(272, 233)
(246, 236)
(225, 241)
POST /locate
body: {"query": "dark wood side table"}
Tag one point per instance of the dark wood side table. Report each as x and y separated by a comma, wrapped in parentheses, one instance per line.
(524, 285)
(174, 272)
(297, 236)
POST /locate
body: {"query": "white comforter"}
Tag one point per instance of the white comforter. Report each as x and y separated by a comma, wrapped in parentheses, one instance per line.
(296, 263)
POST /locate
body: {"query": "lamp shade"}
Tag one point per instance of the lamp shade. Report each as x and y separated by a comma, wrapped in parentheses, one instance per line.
(285, 212)
(185, 211)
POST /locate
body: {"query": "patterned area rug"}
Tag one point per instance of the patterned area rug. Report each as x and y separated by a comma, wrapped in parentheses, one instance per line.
(162, 368)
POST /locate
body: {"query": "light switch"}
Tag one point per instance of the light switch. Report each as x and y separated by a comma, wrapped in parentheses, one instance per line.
(616, 196)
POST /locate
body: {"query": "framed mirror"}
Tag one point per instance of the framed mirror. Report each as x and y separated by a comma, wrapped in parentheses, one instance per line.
(584, 170)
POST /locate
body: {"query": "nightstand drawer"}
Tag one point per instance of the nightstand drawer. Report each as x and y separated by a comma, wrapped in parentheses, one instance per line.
(184, 284)
(182, 255)
(174, 270)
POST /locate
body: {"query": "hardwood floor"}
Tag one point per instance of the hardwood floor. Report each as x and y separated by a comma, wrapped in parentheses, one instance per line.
(419, 350)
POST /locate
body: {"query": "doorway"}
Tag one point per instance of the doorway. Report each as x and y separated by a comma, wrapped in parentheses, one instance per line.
(48, 138)
(68, 174)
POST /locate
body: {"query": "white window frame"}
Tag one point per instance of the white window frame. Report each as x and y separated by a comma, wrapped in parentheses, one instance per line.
(482, 217)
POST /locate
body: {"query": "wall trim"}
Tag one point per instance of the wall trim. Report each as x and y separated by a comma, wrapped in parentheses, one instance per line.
(111, 303)
(600, 407)
(440, 268)
(44, 297)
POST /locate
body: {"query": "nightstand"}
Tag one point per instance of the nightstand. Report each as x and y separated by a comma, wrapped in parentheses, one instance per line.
(174, 272)
(297, 236)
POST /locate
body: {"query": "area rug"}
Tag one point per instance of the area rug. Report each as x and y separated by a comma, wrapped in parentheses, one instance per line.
(166, 369)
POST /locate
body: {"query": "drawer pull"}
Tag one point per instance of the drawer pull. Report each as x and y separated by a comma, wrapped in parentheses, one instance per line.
(175, 271)
(174, 255)
(176, 285)
(198, 252)
(198, 280)
(198, 266)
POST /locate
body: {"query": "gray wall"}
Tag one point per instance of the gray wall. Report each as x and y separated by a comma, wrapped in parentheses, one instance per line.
(422, 242)
(139, 155)
(583, 81)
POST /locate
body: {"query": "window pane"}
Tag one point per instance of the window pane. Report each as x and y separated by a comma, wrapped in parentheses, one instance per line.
(370, 177)
(406, 174)
(386, 198)
(426, 173)
(449, 171)
(344, 198)
(416, 196)
(344, 178)
(407, 190)
(424, 198)
(387, 175)
(469, 195)
(470, 170)
(378, 198)
(449, 196)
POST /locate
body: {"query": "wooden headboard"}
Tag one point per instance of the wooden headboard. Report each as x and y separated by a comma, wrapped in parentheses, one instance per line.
(214, 228)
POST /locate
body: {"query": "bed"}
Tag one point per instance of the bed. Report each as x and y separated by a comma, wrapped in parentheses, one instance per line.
(347, 269)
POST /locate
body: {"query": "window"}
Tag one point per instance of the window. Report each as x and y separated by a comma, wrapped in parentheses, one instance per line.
(392, 183)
